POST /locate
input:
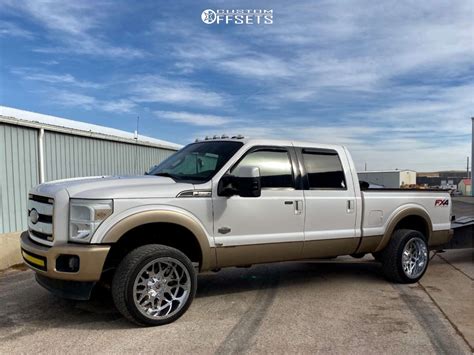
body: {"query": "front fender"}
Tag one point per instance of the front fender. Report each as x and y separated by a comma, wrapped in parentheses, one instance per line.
(112, 230)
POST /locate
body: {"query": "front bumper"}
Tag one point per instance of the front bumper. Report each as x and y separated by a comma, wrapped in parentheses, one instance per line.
(42, 259)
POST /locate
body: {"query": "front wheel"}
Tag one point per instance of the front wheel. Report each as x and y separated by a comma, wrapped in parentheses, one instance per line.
(406, 257)
(154, 285)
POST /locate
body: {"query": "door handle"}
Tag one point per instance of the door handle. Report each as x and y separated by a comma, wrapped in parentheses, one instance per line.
(298, 206)
(288, 202)
(350, 207)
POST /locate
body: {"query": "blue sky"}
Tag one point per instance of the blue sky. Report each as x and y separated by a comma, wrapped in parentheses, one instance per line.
(392, 80)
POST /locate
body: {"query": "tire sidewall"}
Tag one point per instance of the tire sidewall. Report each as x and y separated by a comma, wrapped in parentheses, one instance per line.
(129, 288)
(404, 240)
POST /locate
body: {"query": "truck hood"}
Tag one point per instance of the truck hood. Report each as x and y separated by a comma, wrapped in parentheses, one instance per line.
(106, 187)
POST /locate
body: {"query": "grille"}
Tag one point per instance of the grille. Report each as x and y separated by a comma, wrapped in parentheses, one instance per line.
(40, 219)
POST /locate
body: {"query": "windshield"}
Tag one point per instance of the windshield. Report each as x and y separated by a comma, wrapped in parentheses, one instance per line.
(197, 162)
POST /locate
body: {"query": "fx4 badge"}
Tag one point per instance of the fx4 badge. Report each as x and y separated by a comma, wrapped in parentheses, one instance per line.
(441, 203)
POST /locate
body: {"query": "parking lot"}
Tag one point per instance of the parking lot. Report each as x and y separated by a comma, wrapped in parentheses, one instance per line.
(337, 306)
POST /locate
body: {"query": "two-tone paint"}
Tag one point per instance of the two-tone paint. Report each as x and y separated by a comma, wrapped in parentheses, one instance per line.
(282, 224)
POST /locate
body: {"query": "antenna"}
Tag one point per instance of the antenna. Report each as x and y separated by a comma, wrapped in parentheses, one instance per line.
(136, 131)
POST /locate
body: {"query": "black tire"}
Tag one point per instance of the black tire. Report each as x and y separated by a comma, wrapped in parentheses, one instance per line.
(391, 256)
(128, 270)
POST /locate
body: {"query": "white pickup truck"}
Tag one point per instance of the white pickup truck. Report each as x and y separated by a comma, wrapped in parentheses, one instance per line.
(217, 203)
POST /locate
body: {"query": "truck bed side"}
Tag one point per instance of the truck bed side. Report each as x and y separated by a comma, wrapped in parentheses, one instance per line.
(383, 210)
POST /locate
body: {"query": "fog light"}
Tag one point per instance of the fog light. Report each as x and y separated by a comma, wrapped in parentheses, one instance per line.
(67, 263)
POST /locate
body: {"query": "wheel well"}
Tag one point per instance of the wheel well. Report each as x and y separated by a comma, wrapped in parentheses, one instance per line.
(414, 222)
(169, 234)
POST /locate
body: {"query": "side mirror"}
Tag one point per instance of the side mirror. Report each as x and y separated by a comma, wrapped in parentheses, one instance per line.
(246, 183)
(249, 184)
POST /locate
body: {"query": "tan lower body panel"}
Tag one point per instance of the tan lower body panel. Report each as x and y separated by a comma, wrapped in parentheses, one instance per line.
(440, 237)
(275, 252)
(369, 244)
(329, 247)
(258, 253)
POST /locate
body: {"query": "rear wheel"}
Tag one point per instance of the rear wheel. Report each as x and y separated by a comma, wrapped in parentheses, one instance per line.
(406, 257)
(154, 285)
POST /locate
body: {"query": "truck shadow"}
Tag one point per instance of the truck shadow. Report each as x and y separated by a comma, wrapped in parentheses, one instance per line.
(288, 274)
(32, 309)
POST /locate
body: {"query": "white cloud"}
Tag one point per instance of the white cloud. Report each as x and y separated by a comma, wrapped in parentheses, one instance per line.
(66, 98)
(95, 47)
(87, 102)
(119, 106)
(153, 88)
(9, 29)
(52, 78)
(78, 26)
(261, 66)
(71, 17)
(196, 119)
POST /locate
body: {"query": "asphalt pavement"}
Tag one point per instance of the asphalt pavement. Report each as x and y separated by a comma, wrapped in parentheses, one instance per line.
(341, 306)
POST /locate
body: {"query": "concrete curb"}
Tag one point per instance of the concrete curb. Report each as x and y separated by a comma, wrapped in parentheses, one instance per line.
(10, 253)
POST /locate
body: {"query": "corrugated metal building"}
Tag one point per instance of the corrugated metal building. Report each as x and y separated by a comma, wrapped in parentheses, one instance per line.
(35, 148)
(389, 178)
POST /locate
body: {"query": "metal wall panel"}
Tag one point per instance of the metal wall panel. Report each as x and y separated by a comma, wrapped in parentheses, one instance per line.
(65, 156)
(69, 156)
(18, 173)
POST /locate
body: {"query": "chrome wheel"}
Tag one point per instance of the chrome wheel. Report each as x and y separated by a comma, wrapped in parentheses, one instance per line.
(414, 257)
(161, 288)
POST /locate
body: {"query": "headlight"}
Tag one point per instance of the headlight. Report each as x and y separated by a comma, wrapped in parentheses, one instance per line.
(85, 216)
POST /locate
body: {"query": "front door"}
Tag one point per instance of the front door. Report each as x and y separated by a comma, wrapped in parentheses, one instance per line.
(268, 228)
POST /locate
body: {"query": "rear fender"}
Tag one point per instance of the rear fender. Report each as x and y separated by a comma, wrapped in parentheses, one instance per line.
(400, 215)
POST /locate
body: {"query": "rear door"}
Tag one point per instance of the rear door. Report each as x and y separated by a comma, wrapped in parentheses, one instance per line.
(330, 223)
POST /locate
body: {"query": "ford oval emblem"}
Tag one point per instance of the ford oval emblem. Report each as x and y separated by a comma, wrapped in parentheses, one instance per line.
(34, 216)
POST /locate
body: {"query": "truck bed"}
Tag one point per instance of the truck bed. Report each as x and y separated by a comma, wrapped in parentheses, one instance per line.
(380, 205)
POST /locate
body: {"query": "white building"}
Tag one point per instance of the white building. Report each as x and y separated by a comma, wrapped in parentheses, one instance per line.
(465, 186)
(389, 178)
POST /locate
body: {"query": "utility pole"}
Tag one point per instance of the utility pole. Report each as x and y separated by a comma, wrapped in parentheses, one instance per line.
(472, 153)
(365, 166)
(467, 168)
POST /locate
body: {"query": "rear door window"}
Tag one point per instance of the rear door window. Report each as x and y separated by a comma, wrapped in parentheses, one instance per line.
(324, 169)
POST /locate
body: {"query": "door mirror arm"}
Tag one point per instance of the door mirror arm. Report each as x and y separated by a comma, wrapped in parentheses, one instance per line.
(227, 186)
